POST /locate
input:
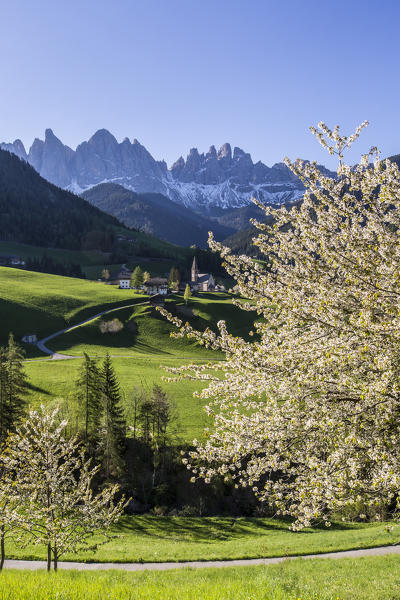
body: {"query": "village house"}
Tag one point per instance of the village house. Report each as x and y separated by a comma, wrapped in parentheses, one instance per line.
(10, 259)
(120, 278)
(156, 285)
(29, 338)
(125, 284)
(202, 282)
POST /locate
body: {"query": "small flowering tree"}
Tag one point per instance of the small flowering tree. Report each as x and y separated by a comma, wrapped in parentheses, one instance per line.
(51, 481)
(308, 412)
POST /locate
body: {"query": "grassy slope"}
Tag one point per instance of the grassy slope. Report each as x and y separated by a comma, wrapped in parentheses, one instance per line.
(43, 304)
(374, 578)
(139, 355)
(40, 303)
(92, 262)
(152, 335)
(157, 539)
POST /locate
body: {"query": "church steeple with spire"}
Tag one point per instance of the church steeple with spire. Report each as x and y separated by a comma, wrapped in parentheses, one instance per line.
(195, 271)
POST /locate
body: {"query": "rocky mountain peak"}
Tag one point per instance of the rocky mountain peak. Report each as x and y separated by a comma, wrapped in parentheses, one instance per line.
(212, 153)
(49, 135)
(16, 147)
(102, 140)
(212, 179)
(225, 152)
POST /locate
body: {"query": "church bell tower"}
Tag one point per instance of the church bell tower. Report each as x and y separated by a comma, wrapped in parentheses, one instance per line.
(195, 271)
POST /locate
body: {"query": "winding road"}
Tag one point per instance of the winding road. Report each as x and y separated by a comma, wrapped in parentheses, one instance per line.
(165, 566)
(41, 344)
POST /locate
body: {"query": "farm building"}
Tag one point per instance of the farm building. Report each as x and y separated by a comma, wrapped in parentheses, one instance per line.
(125, 284)
(156, 285)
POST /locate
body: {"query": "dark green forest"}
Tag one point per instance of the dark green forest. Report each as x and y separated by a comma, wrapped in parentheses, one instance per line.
(34, 211)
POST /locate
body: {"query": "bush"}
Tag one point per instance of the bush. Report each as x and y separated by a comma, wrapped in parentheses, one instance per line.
(114, 326)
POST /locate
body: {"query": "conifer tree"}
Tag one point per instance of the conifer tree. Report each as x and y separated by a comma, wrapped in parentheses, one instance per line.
(112, 444)
(8, 506)
(4, 417)
(13, 387)
(137, 278)
(88, 387)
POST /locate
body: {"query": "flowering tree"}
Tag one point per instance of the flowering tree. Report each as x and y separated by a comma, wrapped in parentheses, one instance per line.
(308, 412)
(51, 481)
(8, 509)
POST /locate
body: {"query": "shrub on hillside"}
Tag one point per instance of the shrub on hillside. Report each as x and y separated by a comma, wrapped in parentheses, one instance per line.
(114, 326)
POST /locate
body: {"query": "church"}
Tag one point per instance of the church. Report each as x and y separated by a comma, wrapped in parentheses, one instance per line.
(202, 282)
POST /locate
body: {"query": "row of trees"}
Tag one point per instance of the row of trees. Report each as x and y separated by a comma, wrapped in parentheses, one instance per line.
(45, 264)
(100, 415)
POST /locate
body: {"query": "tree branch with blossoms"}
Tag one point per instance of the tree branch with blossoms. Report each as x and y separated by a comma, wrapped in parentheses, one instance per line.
(307, 413)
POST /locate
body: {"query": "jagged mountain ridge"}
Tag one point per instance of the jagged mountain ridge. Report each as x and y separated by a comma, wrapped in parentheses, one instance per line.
(205, 182)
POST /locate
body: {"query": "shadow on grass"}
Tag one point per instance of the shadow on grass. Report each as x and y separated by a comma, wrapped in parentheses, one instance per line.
(35, 388)
(210, 529)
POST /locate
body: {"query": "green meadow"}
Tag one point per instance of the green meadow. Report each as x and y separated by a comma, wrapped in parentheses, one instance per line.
(52, 380)
(139, 351)
(157, 539)
(43, 304)
(372, 578)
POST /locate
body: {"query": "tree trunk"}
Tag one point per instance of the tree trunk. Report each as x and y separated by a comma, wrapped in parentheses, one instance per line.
(55, 558)
(3, 553)
(48, 557)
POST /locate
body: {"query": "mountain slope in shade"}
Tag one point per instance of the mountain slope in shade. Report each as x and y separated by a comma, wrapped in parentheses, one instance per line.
(206, 182)
(34, 211)
(155, 214)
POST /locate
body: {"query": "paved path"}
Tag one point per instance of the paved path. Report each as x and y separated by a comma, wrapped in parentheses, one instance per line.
(164, 566)
(41, 344)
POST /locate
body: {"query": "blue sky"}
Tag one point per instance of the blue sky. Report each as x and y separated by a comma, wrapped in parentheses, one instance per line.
(182, 73)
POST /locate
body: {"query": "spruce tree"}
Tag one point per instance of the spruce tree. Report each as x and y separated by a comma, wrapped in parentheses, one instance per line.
(13, 388)
(161, 412)
(89, 393)
(137, 278)
(112, 444)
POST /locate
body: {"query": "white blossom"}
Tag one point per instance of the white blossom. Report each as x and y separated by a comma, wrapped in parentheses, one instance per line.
(50, 481)
(307, 412)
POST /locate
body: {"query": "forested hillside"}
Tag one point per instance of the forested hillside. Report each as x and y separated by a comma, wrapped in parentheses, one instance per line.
(34, 211)
(155, 214)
